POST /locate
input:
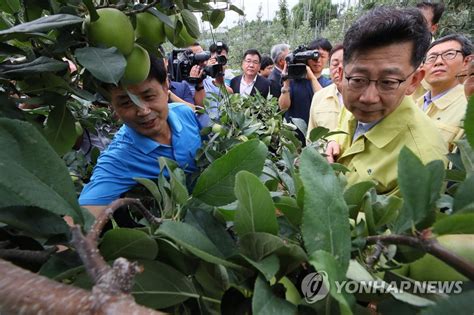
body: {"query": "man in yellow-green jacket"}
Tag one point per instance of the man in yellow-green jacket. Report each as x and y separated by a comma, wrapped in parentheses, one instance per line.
(382, 53)
(445, 102)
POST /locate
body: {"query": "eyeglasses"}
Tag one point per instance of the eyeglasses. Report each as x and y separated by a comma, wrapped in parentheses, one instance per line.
(255, 62)
(447, 55)
(464, 75)
(358, 83)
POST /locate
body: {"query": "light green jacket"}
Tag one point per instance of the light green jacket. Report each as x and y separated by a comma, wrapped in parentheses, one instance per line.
(374, 156)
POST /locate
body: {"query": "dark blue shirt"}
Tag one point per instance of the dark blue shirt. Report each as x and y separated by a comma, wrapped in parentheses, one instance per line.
(301, 95)
(182, 90)
(131, 155)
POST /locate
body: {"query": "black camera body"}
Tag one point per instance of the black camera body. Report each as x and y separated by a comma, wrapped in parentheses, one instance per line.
(297, 61)
(182, 60)
(217, 69)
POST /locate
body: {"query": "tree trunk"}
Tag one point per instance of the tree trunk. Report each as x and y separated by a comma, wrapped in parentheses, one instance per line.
(23, 292)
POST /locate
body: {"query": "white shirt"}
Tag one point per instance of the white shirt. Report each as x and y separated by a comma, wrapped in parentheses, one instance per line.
(246, 89)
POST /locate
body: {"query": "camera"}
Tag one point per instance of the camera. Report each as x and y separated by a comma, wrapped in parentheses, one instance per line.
(297, 61)
(217, 69)
(182, 60)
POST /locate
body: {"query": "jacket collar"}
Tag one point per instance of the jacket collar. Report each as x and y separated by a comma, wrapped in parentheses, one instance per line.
(450, 97)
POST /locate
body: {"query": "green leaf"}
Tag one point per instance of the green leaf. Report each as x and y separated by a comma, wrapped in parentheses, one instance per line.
(106, 64)
(420, 187)
(39, 65)
(454, 304)
(151, 186)
(44, 24)
(60, 128)
(464, 195)
(369, 215)
(215, 186)
(255, 209)
(161, 286)
(9, 109)
(268, 266)
(213, 229)
(163, 17)
(236, 9)
(10, 6)
(317, 133)
(8, 50)
(128, 243)
(258, 246)
(32, 173)
(191, 23)
(325, 215)
(385, 209)
(194, 241)
(455, 224)
(354, 196)
(264, 302)
(324, 261)
(290, 209)
(178, 187)
(467, 156)
(469, 121)
(215, 279)
(216, 18)
(35, 221)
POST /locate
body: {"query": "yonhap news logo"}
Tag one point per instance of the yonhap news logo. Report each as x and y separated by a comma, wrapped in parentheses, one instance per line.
(315, 286)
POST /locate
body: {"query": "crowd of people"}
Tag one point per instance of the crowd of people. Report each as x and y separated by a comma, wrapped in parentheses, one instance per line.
(391, 85)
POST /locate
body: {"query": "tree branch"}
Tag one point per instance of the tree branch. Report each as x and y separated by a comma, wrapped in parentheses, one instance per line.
(116, 280)
(372, 259)
(430, 246)
(107, 213)
(146, 7)
(22, 291)
(30, 256)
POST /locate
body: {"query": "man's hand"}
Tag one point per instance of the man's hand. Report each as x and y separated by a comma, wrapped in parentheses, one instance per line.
(196, 72)
(309, 74)
(332, 151)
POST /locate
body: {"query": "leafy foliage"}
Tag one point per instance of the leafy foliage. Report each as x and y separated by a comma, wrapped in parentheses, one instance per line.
(260, 213)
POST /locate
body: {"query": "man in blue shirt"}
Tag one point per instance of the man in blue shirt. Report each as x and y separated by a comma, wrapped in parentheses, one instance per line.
(296, 95)
(152, 129)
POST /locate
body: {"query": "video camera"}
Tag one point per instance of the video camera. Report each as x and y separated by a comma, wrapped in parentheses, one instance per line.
(217, 69)
(182, 60)
(297, 61)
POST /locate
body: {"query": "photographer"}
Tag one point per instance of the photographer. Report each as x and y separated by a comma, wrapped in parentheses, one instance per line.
(212, 75)
(296, 94)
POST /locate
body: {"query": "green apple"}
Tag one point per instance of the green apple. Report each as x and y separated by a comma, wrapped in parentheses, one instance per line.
(138, 66)
(180, 40)
(431, 268)
(112, 29)
(150, 29)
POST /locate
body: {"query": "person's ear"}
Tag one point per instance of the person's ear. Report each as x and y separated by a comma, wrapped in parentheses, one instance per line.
(434, 28)
(415, 81)
(166, 85)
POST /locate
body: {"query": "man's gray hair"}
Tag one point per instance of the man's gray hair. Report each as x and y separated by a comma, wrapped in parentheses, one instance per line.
(277, 50)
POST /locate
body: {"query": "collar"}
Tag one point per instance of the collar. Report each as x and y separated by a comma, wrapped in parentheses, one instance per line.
(251, 83)
(146, 144)
(171, 85)
(389, 127)
(448, 97)
(275, 67)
